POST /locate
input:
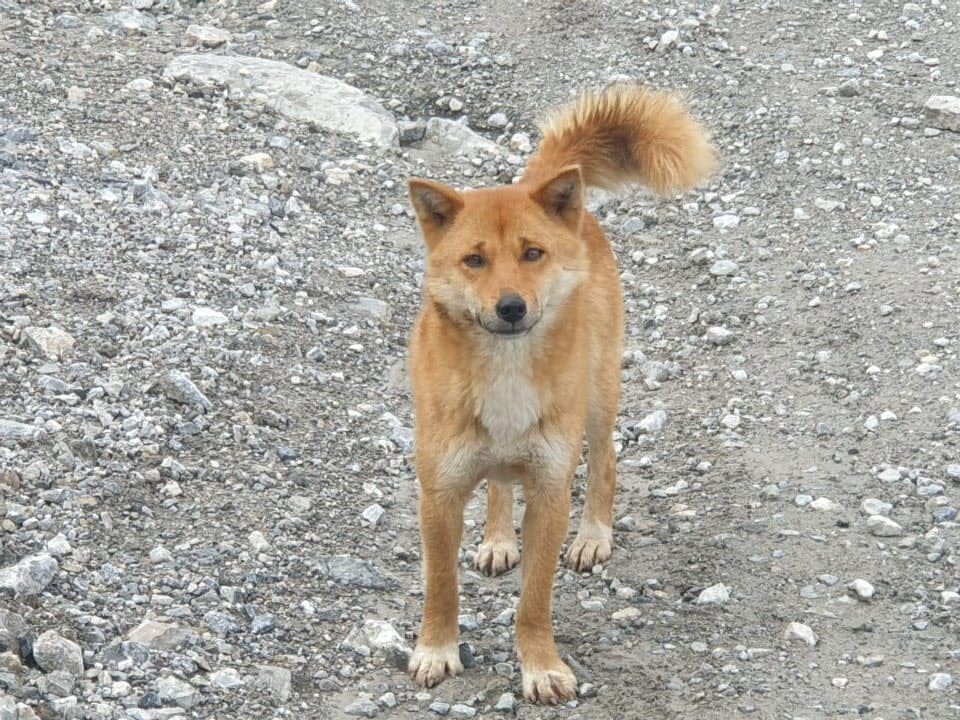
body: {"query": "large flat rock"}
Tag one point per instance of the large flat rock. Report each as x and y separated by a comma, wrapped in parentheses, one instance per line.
(296, 94)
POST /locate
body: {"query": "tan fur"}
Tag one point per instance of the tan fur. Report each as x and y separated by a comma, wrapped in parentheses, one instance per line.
(515, 409)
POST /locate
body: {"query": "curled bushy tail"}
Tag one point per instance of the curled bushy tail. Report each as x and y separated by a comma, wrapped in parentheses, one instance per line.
(625, 134)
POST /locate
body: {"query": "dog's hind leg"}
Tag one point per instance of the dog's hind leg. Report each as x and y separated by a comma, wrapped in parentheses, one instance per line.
(498, 552)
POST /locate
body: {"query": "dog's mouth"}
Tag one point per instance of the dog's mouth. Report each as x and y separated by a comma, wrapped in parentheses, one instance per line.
(509, 330)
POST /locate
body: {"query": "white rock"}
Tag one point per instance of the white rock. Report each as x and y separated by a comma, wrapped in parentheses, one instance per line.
(862, 589)
(520, 142)
(943, 111)
(889, 475)
(207, 36)
(204, 317)
(160, 554)
(258, 542)
(723, 267)
(52, 342)
(373, 514)
(349, 272)
(824, 504)
(227, 678)
(449, 137)
(873, 506)
(59, 546)
(653, 422)
(297, 94)
(259, 161)
(667, 40)
(174, 690)
(939, 681)
(727, 221)
(29, 576)
(717, 335)
(883, 526)
(802, 633)
(714, 595)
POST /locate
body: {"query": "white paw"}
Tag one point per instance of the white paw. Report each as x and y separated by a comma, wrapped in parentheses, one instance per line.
(497, 556)
(549, 685)
(590, 548)
(430, 665)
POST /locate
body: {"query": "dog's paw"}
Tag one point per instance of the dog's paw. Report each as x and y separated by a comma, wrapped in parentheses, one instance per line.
(550, 685)
(430, 665)
(587, 551)
(497, 556)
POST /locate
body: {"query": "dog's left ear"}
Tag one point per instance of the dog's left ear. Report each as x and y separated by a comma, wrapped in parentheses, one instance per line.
(436, 206)
(562, 196)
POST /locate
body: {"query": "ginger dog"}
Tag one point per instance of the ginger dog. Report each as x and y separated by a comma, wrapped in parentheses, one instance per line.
(516, 356)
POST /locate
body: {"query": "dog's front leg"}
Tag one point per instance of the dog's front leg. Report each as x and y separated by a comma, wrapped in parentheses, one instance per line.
(546, 678)
(441, 526)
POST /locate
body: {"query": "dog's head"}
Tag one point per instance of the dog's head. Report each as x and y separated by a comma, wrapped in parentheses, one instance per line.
(503, 259)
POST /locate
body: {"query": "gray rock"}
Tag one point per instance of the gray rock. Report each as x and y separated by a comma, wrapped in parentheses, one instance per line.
(498, 120)
(29, 576)
(727, 221)
(717, 335)
(411, 131)
(18, 431)
(714, 595)
(221, 623)
(462, 710)
(883, 526)
(275, 680)
(373, 514)
(206, 36)
(14, 632)
(227, 679)
(58, 683)
(362, 707)
(53, 652)
(723, 267)
(172, 689)
(161, 636)
(801, 633)
(506, 703)
(126, 654)
(346, 570)
(862, 589)
(374, 307)
(943, 111)
(132, 22)
(296, 94)
(939, 681)
(849, 88)
(204, 317)
(262, 624)
(449, 137)
(180, 388)
(873, 506)
(440, 707)
(51, 342)
(653, 422)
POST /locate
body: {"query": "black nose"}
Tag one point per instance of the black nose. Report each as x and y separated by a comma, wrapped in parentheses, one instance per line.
(511, 308)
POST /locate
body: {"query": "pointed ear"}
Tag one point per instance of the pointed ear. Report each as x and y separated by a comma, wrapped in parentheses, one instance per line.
(562, 195)
(436, 206)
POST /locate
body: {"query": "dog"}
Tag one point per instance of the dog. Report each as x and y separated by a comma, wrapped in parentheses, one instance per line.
(516, 356)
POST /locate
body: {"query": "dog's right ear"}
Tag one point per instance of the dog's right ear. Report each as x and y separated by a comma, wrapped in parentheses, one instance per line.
(436, 206)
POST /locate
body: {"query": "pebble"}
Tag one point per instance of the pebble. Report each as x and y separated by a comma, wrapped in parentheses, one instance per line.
(873, 506)
(717, 335)
(653, 422)
(13, 430)
(180, 388)
(714, 595)
(362, 707)
(373, 514)
(726, 222)
(440, 707)
(346, 570)
(939, 681)
(882, 526)
(51, 342)
(204, 317)
(275, 680)
(54, 652)
(206, 36)
(171, 689)
(506, 703)
(943, 112)
(824, 504)
(226, 679)
(30, 576)
(862, 589)
(800, 632)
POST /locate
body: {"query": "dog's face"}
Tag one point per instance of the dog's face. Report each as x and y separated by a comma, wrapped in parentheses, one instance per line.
(503, 259)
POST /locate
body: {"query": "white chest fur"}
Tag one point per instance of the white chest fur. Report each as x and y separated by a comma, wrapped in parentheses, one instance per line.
(508, 402)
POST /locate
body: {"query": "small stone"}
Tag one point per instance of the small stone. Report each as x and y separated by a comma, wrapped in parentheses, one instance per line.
(160, 554)
(506, 703)
(889, 475)
(717, 335)
(59, 546)
(953, 471)
(172, 689)
(362, 707)
(654, 422)
(160, 636)
(262, 624)
(520, 142)
(873, 506)
(350, 272)
(373, 514)
(347, 570)
(943, 111)
(727, 221)
(30, 576)
(849, 88)
(882, 526)
(800, 632)
(862, 589)
(462, 710)
(258, 542)
(440, 707)
(13, 430)
(667, 40)
(275, 680)
(824, 504)
(498, 120)
(227, 679)
(723, 267)
(207, 36)
(180, 388)
(455, 105)
(939, 681)
(53, 652)
(258, 161)
(51, 342)
(388, 700)
(204, 317)
(714, 595)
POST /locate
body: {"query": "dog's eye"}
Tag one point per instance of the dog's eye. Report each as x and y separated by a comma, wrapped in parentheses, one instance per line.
(532, 254)
(474, 261)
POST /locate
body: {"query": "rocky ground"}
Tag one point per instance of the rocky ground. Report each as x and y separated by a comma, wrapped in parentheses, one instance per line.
(208, 270)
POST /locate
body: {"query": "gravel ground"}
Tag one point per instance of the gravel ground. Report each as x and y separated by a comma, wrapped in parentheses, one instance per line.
(207, 506)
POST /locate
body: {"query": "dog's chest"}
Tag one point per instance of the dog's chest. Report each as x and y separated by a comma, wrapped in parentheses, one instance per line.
(508, 401)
